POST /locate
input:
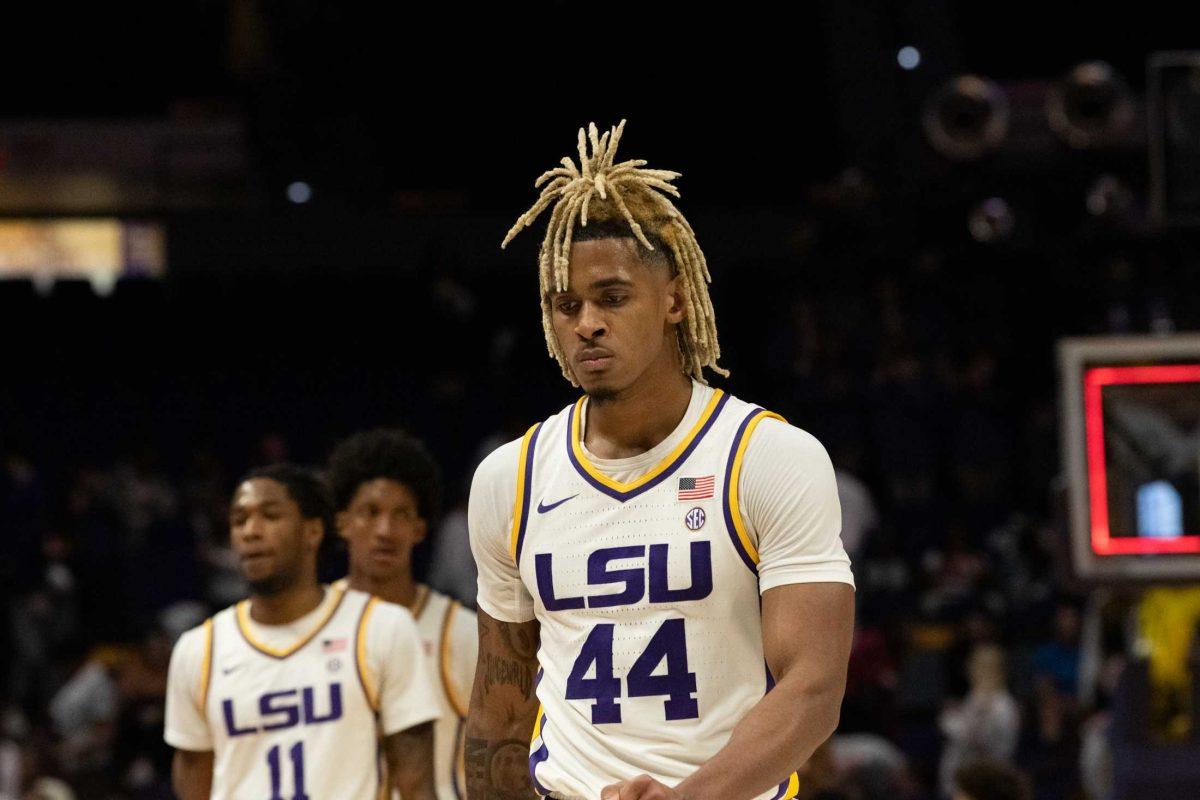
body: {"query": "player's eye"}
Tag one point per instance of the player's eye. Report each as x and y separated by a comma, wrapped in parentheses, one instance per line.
(614, 299)
(567, 307)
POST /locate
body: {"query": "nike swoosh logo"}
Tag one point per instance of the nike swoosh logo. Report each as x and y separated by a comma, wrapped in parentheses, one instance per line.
(234, 668)
(543, 508)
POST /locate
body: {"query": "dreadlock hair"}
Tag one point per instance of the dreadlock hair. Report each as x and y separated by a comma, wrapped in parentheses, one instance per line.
(385, 453)
(634, 199)
(303, 486)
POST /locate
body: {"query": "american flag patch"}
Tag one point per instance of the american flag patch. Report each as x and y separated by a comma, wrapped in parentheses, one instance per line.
(333, 645)
(696, 488)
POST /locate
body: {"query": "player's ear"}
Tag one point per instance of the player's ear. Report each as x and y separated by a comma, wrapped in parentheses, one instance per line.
(676, 300)
(342, 521)
(420, 530)
(314, 532)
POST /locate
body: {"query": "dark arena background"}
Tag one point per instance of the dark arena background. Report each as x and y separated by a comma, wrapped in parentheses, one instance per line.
(949, 239)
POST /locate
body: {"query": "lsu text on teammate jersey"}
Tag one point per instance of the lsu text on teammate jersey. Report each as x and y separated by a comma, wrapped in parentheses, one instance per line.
(302, 716)
(646, 592)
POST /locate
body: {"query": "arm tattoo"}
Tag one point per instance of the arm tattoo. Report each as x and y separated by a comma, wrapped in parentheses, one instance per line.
(506, 671)
(522, 640)
(501, 716)
(498, 770)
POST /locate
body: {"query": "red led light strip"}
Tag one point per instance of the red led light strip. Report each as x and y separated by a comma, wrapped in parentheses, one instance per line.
(1094, 380)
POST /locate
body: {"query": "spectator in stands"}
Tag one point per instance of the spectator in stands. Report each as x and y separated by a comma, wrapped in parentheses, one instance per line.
(990, 780)
(986, 724)
(1056, 673)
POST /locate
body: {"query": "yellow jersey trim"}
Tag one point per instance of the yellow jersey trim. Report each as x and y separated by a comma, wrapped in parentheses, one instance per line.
(456, 702)
(520, 506)
(360, 655)
(243, 623)
(739, 523)
(537, 724)
(206, 664)
(667, 461)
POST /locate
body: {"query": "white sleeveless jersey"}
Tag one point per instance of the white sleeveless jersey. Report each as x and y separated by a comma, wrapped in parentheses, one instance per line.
(448, 635)
(293, 724)
(647, 597)
(447, 631)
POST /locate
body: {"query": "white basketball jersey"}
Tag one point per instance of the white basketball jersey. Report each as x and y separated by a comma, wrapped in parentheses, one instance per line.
(647, 598)
(437, 616)
(294, 724)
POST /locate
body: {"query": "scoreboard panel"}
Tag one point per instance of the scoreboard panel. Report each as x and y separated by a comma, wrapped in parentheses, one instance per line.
(1130, 444)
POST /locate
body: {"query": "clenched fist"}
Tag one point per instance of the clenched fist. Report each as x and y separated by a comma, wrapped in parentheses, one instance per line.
(643, 787)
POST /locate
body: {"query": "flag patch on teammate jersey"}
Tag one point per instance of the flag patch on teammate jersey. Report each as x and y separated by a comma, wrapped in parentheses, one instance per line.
(696, 488)
(333, 645)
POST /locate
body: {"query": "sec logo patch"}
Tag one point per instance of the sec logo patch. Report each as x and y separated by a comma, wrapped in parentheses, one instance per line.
(694, 519)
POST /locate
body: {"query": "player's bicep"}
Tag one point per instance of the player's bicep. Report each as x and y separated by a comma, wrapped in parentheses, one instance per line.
(506, 666)
(191, 774)
(465, 652)
(409, 755)
(807, 631)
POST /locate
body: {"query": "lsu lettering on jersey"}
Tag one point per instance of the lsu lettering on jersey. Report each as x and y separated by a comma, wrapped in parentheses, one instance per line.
(449, 638)
(647, 596)
(304, 720)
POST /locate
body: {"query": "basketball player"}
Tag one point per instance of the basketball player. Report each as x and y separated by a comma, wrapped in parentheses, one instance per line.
(386, 489)
(660, 562)
(291, 694)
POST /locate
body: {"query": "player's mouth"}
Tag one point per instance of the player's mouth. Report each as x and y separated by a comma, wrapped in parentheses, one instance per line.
(389, 555)
(255, 558)
(593, 358)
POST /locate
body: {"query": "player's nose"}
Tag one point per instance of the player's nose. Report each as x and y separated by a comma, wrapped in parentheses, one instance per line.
(386, 528)
(248, 531)
(589, 324)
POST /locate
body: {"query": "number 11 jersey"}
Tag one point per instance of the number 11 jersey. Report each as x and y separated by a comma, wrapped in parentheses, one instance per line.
(299, 714)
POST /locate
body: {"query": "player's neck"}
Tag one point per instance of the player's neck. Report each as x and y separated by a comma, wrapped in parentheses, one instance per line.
(401, 590)
(640, 417)
(287, 605)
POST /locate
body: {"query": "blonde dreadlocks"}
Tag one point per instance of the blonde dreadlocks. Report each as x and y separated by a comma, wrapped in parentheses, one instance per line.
(626, 190)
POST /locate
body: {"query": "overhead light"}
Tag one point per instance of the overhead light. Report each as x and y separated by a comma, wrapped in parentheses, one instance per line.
(991, 221)
(299, 192)
(1108, 197)
(1090, 107)
(909, 57)
(966, 118)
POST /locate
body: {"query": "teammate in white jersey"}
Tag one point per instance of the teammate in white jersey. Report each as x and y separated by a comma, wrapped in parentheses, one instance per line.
(386, 488)
(660, 563)
(293, 693)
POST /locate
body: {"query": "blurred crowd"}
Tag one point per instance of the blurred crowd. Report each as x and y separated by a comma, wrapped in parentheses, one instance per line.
(929, 379)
